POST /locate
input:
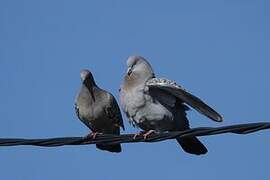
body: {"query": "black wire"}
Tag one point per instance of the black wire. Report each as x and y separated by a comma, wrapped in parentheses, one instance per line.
(129, 138)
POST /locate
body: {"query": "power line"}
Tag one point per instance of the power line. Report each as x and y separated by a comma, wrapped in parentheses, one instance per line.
(128, 138)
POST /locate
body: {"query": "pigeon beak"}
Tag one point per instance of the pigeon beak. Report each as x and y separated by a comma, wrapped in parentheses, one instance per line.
(92, 93)
(89, 87)
(129, 71)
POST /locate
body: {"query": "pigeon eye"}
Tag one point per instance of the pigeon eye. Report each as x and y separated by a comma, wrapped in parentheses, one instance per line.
(129, 71)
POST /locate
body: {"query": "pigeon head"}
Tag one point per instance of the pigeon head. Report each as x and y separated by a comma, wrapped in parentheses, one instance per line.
(87, 77)
(139, 67)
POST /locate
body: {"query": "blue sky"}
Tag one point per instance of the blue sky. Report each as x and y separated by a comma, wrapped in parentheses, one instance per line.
(219, 50)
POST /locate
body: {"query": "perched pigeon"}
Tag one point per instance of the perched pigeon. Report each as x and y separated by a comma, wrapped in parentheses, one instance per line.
(98, 110)
(158, 105)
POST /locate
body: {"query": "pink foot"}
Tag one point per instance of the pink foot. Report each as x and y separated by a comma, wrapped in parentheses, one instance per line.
(148, 133)
(92, 135)
(141, 133)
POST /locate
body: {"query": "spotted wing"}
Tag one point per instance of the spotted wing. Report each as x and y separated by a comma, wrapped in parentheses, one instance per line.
(171, 87)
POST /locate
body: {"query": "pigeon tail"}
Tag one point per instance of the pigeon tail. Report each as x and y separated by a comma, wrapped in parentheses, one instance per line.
(192, 145)
(111, 148)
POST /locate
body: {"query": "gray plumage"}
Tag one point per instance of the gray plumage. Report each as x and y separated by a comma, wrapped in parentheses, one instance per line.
(159, 104)
(98, 110)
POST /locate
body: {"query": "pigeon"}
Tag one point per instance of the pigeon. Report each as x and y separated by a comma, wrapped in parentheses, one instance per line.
(98, 110)
(159, 105)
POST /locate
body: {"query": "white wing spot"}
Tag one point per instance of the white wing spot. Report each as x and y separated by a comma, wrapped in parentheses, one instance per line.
(163, 82)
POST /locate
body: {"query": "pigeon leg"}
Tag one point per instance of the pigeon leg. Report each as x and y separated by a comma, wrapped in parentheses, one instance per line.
(148, 133)
(92, 135)
(141, 133)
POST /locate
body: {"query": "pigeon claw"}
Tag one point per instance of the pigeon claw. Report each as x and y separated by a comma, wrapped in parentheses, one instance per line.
(92, 135)
(141, 133)
(148, 133)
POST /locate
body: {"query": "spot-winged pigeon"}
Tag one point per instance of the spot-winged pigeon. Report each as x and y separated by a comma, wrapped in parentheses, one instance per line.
(159, 104)
(98, 110)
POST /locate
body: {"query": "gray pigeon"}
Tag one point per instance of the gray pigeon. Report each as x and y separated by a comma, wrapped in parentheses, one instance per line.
(98, 110)
(159, 105)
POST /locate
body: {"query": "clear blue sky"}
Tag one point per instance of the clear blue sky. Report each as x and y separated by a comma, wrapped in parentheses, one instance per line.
(219, 50)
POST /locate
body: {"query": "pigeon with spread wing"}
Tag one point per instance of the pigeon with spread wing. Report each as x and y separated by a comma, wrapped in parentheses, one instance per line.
(160, 105)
